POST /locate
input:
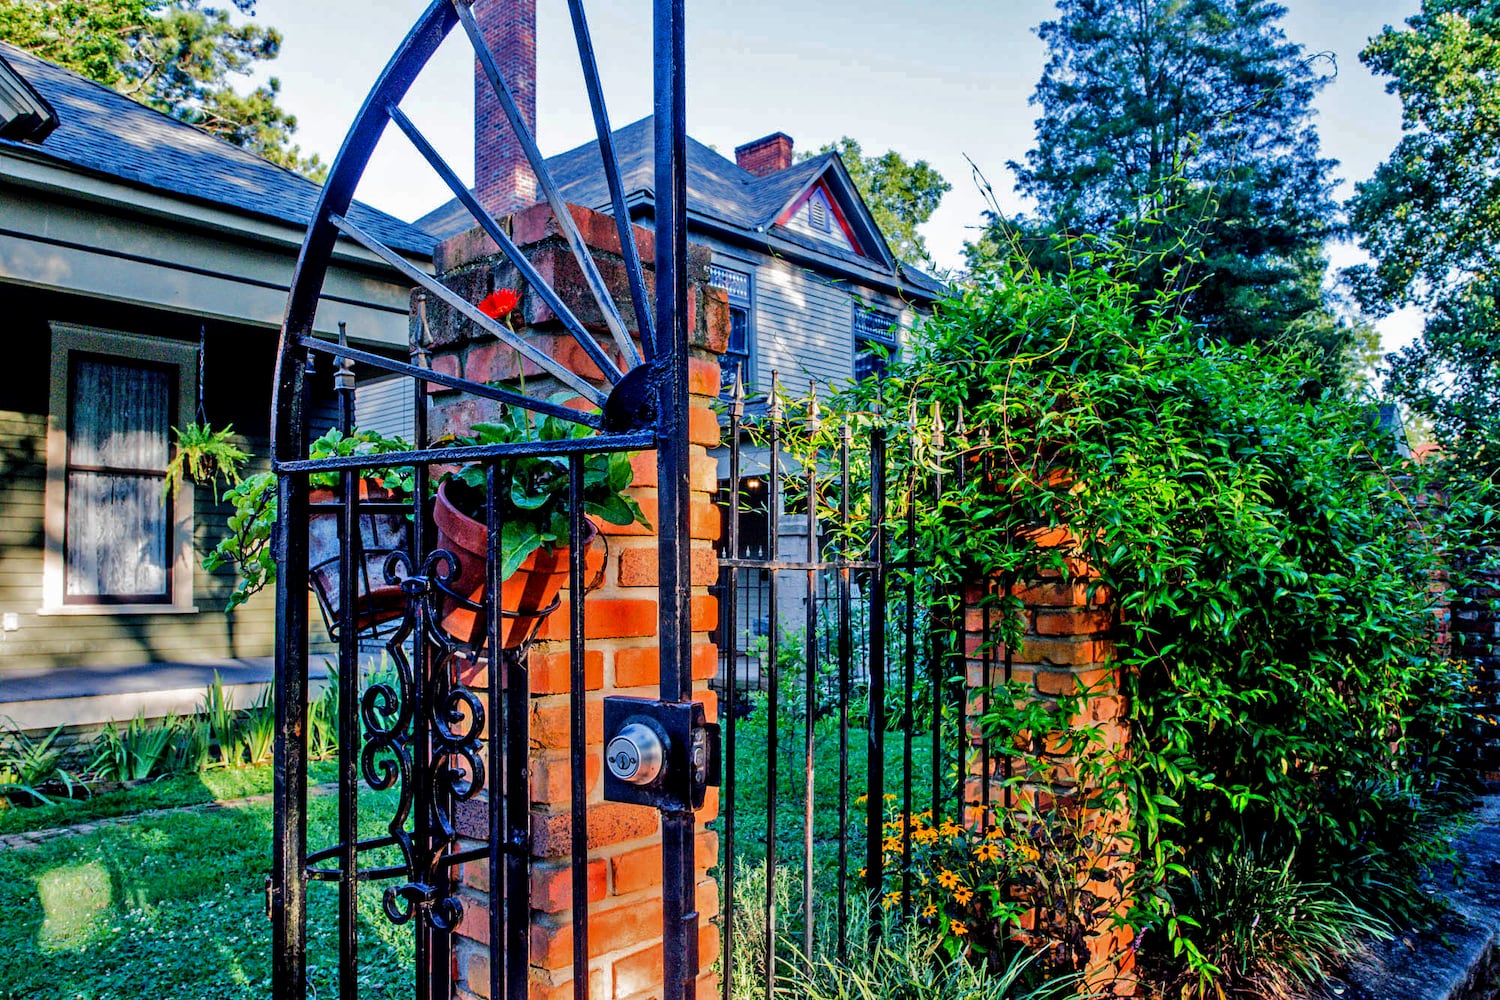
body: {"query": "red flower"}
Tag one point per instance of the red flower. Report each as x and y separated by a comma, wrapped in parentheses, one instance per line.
(499, 303)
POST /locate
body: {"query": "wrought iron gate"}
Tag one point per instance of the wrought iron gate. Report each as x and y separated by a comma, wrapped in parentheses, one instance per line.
(866, 655)
(419, 731)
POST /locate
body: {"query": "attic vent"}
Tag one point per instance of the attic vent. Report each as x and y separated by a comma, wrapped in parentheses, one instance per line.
(817, 213)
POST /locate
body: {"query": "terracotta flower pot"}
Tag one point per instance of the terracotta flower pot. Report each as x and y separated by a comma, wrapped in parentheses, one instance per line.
(380, 534)
(530, 589)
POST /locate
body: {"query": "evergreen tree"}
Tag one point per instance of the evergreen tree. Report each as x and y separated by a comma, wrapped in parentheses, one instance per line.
(177, 56)
(1184, 127)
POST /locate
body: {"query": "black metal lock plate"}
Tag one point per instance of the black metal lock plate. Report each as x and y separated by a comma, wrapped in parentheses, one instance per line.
(689, 752)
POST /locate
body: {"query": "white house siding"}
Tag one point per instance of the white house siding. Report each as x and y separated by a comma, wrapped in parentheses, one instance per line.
(386, 407)
(802, 325)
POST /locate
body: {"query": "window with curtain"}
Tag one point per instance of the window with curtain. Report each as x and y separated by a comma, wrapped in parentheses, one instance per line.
(117, 547)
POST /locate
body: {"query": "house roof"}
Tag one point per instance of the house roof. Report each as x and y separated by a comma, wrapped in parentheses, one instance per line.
(719, 192)
(106, 133)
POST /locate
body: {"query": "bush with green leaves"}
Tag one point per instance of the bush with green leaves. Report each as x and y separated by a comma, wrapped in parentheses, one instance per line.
(28, 764)
(1264, 933)
(247, 547)
(1270, 555)
(140, 751)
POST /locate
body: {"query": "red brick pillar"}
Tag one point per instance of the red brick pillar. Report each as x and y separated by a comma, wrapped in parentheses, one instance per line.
(1066, 650)
(621, 618)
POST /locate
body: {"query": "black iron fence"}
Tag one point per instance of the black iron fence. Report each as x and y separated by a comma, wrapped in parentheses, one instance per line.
(845, 707)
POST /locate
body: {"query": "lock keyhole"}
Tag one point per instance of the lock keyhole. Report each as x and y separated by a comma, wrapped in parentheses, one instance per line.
(637, 754)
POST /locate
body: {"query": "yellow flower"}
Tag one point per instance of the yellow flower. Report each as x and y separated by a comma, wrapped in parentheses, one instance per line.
(929, 911)
(994, 833)
(962, 895)
(947, 879)
(891, 899)
(958, 929)
(860, 800)
(1027, 851)
(987, 852)
(951, 829)
(924, 835)
(890, 796)
(891, 845)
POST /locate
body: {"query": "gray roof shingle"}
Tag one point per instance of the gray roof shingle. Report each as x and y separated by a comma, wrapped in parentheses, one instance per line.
(718, 189)
(107, 133)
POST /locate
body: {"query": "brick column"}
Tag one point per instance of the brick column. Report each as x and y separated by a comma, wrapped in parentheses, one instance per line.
(621, 619)
(1066, 650)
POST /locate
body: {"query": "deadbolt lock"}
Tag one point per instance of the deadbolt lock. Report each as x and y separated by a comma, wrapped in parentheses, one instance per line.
(659, 753)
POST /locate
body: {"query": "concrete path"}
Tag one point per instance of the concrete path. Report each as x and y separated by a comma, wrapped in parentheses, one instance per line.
(1460, 959)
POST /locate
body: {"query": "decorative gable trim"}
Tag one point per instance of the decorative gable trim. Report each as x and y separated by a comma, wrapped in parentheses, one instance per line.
(856, 225)
(24, 114)
(817, 194)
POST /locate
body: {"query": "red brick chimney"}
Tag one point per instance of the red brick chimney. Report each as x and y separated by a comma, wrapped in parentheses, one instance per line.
(503, 179)
(765, 156)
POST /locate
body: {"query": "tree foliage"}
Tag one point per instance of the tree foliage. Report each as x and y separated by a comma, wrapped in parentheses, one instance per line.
(1205, 106)
(901, 195)
(177, 56)
(1270, 559)
(1430, 217)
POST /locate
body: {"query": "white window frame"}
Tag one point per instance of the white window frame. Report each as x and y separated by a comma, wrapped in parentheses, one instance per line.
(68, 339)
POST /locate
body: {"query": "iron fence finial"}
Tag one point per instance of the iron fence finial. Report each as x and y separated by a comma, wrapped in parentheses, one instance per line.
(737, 393)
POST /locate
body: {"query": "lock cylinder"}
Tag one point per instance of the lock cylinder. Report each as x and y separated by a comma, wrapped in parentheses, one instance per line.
(636, 755)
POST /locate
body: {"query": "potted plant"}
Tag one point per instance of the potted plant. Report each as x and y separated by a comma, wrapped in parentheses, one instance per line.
(535, 544)
(247, 547)
(204, 456)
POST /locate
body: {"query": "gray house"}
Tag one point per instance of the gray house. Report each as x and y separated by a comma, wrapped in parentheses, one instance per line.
(142, 263)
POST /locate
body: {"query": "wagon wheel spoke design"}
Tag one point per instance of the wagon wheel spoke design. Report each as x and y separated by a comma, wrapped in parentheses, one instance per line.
(420, 736)
(332, 218)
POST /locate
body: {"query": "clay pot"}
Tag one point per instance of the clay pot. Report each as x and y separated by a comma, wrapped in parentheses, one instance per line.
(380, 534)
(530, 589)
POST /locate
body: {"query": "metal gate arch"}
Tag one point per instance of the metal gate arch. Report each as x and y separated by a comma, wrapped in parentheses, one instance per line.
(419, 733)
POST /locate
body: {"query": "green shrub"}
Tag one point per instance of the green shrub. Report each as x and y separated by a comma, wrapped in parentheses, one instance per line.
(138, 752)
(223, 723)
(910, 963)
(28, 763)
(258, 727)
(1271, 560)
(1265, 934)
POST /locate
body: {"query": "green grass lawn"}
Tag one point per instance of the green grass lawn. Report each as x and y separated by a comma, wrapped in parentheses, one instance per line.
(165, 793)
(174, 905)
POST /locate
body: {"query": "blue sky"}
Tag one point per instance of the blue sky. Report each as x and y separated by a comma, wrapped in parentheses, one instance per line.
(937, 80)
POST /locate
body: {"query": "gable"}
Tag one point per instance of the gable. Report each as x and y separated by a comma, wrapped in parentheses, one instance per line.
(816, 215)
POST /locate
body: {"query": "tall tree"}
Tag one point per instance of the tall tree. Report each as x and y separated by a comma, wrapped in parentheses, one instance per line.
(1203, 106)
(901, 195)
(1430, 218)
(178, 56)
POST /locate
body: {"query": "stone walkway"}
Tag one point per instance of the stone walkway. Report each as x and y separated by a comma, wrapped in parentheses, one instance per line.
(1458, 959)
(31, 838)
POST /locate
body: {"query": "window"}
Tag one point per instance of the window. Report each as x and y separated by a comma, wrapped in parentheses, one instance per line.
(114, 542)
(875, 342)
(736, 356)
